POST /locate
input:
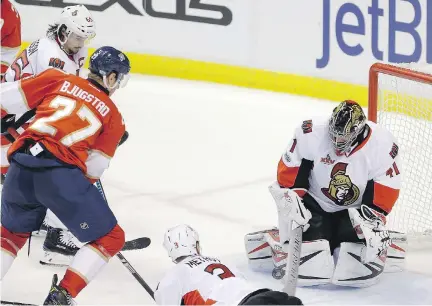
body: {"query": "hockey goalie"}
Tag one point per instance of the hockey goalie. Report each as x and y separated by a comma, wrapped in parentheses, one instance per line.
(338, 179)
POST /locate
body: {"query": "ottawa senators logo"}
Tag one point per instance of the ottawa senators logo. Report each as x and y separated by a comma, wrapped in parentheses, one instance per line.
(307, 126)
(341, 190)
(56, 63)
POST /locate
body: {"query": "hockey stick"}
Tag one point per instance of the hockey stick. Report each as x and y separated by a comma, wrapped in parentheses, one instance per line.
(131, 245)
(16, 303)
(11, 132)
(135, 274)
(136, 244)
(24, 118)
(293, 261)
(120, 256)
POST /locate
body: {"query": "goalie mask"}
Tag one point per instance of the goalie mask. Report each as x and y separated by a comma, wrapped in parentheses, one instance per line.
(180, 241)
(346, 123)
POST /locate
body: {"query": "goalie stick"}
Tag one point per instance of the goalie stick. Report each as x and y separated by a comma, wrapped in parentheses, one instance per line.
(293, 261)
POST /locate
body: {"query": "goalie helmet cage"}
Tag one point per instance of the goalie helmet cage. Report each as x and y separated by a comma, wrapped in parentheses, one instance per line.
(400, 99)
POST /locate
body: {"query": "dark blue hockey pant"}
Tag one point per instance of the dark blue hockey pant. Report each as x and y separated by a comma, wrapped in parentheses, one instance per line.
(34, 184)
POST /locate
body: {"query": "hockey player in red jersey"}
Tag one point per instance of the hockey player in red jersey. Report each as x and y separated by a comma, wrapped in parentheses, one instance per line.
(202, 280)
(10, 24)
(66, 148)
(64, 47)
(339, 178)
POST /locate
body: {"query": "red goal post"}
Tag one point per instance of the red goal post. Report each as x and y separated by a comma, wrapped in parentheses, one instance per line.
(400, 99)
(404, 73)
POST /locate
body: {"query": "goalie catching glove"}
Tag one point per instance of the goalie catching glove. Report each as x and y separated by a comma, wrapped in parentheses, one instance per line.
(291, 210)
(370, 225)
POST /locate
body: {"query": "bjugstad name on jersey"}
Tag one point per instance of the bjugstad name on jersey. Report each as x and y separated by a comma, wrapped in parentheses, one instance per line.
(76, 91)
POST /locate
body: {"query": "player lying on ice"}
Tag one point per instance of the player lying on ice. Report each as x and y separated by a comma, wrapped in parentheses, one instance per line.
(55, 161)
(339, 178)
(202, 280)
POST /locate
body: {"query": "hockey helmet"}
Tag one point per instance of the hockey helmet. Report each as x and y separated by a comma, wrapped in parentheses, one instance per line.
(181, 240)
(78, 20)
(108, 59)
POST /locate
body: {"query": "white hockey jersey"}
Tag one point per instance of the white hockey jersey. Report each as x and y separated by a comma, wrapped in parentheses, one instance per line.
(370, 174)
(43, 54)
(199, 280)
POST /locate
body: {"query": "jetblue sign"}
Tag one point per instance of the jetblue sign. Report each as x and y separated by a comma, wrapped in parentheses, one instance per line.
(398, 31)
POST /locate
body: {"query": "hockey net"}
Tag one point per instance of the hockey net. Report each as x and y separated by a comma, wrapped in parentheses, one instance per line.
(400, 98)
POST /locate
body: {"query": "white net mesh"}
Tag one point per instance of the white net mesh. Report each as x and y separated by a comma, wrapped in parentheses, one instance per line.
(405, 108)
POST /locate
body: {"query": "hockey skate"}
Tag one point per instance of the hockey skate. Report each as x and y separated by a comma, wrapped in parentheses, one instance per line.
(59, 247)
(58, 295)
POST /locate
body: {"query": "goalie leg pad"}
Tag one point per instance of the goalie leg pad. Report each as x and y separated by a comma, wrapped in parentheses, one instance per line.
(258, 251)
(396, 252)
(316, 264)
(350, 271)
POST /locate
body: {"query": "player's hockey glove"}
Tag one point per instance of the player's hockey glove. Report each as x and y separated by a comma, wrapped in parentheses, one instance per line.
(369, 224)
(7, 122)
(290, 206)
(124, 138)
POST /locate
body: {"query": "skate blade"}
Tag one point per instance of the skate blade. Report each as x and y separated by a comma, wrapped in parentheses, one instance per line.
(53, 264)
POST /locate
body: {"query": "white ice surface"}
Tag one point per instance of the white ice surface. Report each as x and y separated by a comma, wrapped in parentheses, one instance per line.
(202, 154)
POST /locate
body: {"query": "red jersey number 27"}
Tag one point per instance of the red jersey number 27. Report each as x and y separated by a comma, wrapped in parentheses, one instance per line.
(65, 107)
